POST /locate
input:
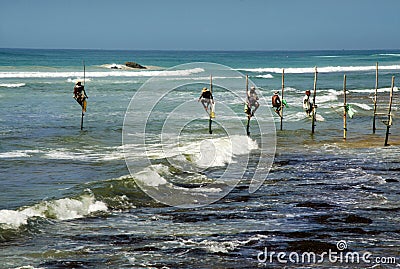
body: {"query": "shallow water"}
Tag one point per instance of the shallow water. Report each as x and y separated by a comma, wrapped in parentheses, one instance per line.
(69, 200)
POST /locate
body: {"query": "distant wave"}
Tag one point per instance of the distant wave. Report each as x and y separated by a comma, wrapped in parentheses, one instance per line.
(12, 85)
(202, 78)
(265, 76)
(327, 69)
(373, 90)
(328, 56)
(390, 54)
(114, 73)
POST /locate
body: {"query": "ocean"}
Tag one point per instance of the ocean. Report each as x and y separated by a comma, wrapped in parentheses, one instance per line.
(145, 185)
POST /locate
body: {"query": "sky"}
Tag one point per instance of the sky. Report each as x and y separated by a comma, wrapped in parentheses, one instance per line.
(200, 24)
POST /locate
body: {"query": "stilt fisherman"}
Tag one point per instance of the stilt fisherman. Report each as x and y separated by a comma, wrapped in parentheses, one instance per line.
(80, 95)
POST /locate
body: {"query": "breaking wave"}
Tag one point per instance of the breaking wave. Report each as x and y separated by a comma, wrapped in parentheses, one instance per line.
(12, 85)
(94, 74)
(390, 54)
(121, 193)
(373, 90)
(205, 154)
(327, 69)
(265, 76)
(61, 209)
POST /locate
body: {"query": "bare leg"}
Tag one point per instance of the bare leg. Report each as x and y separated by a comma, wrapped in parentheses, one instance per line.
(256, 105)
(205, 104)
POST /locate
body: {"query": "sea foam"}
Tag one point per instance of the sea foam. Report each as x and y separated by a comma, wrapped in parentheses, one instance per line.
(151, 175)
(220, 151)
(17, 154)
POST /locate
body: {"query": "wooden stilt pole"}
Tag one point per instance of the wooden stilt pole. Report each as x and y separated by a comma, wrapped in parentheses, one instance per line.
(211, 111)
(375, 99)
(344, 109)
(82, 121)
(248, 103)
(84, 85)
(248, 126)
(283, 87)
(247, 85)
(314, 112)
(211, 85)
(389, 122)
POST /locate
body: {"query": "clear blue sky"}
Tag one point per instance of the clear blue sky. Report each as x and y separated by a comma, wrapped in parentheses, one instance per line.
(201, 24)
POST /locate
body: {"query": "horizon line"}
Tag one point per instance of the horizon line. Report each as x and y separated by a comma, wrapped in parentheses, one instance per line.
(202, 50)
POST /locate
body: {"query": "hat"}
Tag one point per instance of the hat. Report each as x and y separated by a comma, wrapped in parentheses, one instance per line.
(276, 92)
(78, 82)
(204, 89)
(252, 88)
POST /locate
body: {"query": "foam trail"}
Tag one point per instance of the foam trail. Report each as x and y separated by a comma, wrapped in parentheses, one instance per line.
(299, 116)
(17, 154)
(362, 106)
(29, 267)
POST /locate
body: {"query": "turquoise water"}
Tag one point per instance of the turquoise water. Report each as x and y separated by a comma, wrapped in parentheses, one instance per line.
(69, 201)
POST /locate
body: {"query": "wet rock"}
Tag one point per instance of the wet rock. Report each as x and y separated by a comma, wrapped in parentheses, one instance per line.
(315, 205)
(357, 219)
(134, 65)
(347, 218)
(146, 249)
(310, 246)
(355, 230)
